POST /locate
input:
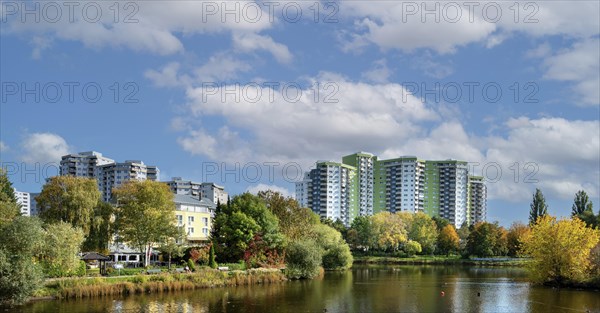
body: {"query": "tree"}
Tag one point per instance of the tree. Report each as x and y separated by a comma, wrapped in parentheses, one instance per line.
(448, 240)
(335, 250)
(9, 208)
(294, 221)
(245, 216)
(486, 239)
(212, 262)
(362, 227)
(20, 276)
(424, 231)
(173, 246)
(303, 259)
(390, 230)
(62, 244)
(412, 247)
(581, 204)
(538, 207)
(518, 233)
(145, 214)
(102, 228)
(440, 222)
(69, 199)
(560, 250)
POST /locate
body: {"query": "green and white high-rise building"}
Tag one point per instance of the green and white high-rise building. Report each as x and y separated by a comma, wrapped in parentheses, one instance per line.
(364, 185)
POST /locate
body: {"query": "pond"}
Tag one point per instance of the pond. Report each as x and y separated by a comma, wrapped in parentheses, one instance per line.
(362, 289)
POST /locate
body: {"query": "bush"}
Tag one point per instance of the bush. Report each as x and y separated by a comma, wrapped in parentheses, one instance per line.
(81, 269)
(303, 259)
(338, 257)
(191, 265)
(211, 257)
(412, 247)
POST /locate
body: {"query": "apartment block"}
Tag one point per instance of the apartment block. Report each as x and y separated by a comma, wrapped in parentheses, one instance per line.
(113, 175)
(34, 209)
(364, 185)
(24, 200)
(82, 164)
(364, 163)
(477, 200)
(330, 190)
(214, 193)
(180, 186)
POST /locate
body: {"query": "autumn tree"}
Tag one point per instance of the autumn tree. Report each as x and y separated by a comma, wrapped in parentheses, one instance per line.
(538, 207)
(294, 221)
(145, 214)
(448, 240)
(560, 250)
(424, 231)
(389, 230)
(516, 237)
(69, 199)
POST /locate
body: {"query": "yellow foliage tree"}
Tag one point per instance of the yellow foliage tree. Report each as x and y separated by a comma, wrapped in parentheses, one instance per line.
(448, 240)
(560, 250)
(390, 230)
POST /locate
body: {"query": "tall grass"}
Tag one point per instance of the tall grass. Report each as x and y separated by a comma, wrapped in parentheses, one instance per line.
(165, 282)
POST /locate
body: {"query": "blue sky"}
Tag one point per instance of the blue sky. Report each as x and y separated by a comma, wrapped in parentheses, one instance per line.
(373, 76)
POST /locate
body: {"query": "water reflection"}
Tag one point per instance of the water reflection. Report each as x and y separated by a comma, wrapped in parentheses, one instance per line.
(364, 289)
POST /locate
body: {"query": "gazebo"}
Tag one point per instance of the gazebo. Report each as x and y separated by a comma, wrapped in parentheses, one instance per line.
(94, 256)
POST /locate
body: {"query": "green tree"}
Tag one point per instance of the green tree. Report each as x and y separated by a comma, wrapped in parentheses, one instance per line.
(448, 240)
(424, 231)
(440, 222)
(212, 260)
(581, 204)
(294, 221)
(561, 250)
(145, 214)
(516, 237)
(303, 259)
(412, 247)
(486, 239)
(245, 216)
(102, 228)
(390, 230)
(62, 244)
(538, 207)
(69, 199)
(365, 237)
(173, 246)
(335, 251)
(20, 276)
(9, 208)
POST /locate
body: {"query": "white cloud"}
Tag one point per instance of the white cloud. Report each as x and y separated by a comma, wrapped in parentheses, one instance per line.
(3, 147)
(432, 68)
(580, 65)
(151, 26)
(248, 42)
(43, 148)
(336, 122)
(264, 187)
(379, 73)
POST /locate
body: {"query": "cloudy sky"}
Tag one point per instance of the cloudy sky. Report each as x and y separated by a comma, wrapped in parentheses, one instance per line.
(249, 94)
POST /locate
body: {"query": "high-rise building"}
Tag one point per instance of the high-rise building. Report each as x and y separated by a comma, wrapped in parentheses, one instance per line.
(477, 200)
(34, 210)
(214, 193)
(23, 199)
(399, 185)
(113, 175)
(330, 190)
(107, 172)
(364, 163)
(406, 183)
(82, 164)
(184, 187)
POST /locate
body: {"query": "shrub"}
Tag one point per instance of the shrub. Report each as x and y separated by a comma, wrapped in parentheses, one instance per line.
(211, 257)
(337, 257)
(412, 247)
(303, 259)
(81, 270)
(191, 265)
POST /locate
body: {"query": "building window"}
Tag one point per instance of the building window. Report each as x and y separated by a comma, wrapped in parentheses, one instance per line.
(179, 220)
(190, 220)
(190, 230)
(205, 221)
(205, 231)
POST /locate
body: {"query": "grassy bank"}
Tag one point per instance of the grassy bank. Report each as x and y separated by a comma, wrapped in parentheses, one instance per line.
(205, 278)
(438, 260)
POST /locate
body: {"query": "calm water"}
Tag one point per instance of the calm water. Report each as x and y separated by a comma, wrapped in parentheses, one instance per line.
(364, 289)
